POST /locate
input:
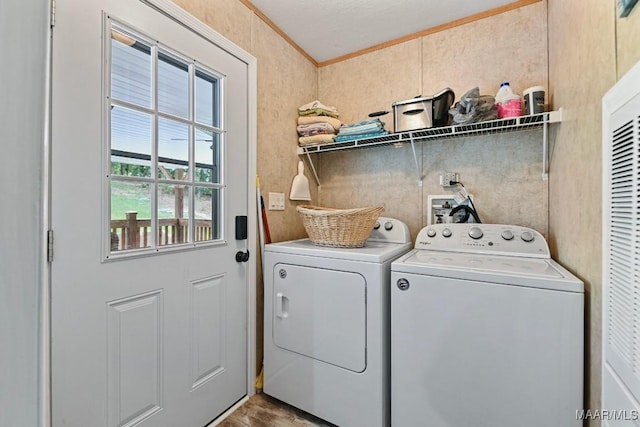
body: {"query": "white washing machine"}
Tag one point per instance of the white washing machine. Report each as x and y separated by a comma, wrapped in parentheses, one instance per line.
(326, 326)
(486, 331)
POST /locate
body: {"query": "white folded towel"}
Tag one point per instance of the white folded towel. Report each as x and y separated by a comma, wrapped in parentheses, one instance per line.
(317, 104)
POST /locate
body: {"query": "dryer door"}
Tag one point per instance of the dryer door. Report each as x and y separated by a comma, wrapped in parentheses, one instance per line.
(320, 314)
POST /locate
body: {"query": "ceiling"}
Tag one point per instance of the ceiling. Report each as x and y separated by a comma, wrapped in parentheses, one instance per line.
(330, 29)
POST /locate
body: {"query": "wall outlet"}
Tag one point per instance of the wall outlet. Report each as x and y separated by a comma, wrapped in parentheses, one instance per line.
(447, 177)
(276, 201)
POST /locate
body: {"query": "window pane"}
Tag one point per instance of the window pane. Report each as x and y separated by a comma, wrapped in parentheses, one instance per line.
(130, 215)
(173, 86)
(207, 99)
(130, 69)
(173, 214)
(207, 214)
(207, 156)
(130, 142)
(164, 119)
(173, 148)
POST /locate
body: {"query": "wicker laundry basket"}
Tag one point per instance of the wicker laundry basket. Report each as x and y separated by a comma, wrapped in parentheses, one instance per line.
(339, 228)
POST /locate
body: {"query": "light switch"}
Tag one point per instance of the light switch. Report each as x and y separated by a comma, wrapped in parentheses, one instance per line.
(276, 201)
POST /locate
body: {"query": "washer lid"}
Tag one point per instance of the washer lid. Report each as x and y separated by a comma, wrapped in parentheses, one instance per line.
(376, 252)
(529, 272)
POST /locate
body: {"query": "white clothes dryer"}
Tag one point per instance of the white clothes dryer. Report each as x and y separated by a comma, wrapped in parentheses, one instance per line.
(486, 331)
(326, 326)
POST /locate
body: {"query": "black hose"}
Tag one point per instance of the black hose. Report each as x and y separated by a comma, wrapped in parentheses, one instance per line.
(468, 211)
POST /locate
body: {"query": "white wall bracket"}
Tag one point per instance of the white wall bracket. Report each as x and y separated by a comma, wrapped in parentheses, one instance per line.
(553, 117)
(313, 169)
(415, 160)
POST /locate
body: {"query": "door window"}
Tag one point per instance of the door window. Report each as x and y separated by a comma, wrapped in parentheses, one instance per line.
(164, 147)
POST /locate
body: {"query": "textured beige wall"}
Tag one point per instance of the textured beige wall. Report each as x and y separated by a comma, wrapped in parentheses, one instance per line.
(508, 47)
(628, 41)
(229, 18)
(581, 69)
(378, 176)
(286, 80)
(372, 82)
(503, 172)
(384, 176)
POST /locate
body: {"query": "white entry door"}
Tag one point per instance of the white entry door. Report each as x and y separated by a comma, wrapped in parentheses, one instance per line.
(149, 172)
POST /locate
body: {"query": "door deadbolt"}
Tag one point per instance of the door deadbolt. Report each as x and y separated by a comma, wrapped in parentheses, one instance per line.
(242, 256)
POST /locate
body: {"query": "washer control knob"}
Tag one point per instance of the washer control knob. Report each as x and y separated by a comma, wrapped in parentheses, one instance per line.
(431, 232)
(475, 233)
(388, 225)
(446, 232)
(375, 227)
(507, 234)
(527, 236)
(403, 284)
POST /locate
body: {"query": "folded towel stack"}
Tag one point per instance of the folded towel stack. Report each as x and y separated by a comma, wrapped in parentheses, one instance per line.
(317, 108)
(359, 130)
(317, 123)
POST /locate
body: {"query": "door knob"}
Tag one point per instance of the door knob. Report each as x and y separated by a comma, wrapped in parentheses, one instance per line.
(242, 256)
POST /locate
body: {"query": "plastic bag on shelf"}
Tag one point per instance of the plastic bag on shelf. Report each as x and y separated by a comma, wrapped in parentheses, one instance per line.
(473, 108)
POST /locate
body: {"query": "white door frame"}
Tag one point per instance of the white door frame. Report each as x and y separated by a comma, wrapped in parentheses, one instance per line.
(179, 15)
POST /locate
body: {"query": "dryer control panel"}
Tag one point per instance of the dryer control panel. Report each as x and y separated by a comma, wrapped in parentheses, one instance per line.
(390, 230)
(495, 239)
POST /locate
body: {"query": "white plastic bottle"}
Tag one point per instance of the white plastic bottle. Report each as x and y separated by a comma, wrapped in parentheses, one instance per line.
(509, 104)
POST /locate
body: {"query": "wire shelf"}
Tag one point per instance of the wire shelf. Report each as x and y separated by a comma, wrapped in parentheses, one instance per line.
(512, 124)
(483, 128)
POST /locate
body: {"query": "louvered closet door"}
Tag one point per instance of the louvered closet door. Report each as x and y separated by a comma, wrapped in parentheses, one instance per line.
(621, 247)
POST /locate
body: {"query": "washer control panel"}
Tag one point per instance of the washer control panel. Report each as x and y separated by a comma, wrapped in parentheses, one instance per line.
(390, 230)
(483, 238)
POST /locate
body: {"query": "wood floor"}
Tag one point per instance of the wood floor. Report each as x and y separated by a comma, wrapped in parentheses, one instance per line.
(264, 411)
